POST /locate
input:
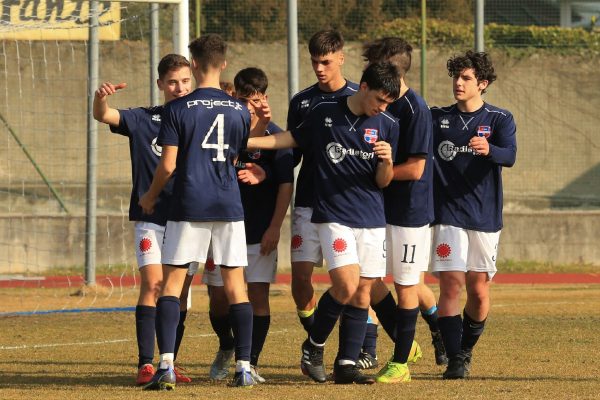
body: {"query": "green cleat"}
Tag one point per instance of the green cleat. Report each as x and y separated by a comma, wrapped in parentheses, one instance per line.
(393, 373)
(415, 353)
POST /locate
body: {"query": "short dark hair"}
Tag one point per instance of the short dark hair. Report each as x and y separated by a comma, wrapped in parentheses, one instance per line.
(227, 87)
(208, 51)
(325, 42)
(250, 81)
(382, 76)
(171, 62)
(386, 48)
(479, 61)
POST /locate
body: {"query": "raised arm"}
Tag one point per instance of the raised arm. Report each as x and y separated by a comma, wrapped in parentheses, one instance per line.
(281, 140)
(102, 112)
(385, 170)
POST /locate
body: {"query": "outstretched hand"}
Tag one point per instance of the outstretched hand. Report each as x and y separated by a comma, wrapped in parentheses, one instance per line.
(107, 89)
(252, 174)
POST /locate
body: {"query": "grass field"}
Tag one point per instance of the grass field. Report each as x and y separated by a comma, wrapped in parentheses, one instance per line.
(541, 341)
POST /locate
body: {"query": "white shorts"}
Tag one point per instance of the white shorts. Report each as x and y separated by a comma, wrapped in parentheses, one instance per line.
(458, 249)
(305, 245)
(343, 246)
(186, 242)
(260, 269)
(407, 252)
(148, 243)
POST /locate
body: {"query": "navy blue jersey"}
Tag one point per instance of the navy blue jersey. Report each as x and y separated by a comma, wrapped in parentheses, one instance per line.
(345, 165)
(141, 126)
(259, 200)
(300, 104)
(468, 186)
(410, 203)
(209, 128)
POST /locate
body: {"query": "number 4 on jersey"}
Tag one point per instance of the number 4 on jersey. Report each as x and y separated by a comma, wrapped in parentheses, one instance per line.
(220, 146)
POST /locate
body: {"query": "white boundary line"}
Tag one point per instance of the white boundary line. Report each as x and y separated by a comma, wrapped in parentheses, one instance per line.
(101, 342)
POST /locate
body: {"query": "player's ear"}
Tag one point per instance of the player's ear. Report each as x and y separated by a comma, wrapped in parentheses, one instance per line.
(224, 65)
(159, 83)
(483, 84)
(341, 58)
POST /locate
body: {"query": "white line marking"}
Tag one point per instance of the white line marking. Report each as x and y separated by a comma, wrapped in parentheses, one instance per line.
(101, 342)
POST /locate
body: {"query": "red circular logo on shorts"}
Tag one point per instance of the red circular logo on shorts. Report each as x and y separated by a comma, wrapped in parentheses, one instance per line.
(209, 265)
(296, 241)
(339, 245)
(145, 245)
(443, 250)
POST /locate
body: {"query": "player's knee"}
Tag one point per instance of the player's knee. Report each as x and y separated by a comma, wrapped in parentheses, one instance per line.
(344, 292)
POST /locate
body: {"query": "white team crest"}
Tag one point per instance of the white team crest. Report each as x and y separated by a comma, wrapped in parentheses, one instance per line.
(445, 123)
(328, 122)
(447, 150)
(156, 149)
(304, 103)
(156, 118)
(336, 152)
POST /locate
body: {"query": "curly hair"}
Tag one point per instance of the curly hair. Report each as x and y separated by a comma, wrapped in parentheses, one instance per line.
(480, 62)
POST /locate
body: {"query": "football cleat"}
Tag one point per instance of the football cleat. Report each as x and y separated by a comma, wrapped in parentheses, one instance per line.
(459, 366)
(366, 361)
(243, 379)
(180, 376)
(255, 375)
(439, 349)
(312, 362)
(220, 366)
(347, 374)
(163, 379)
(145, 374)
(393, 372)
(415, 353)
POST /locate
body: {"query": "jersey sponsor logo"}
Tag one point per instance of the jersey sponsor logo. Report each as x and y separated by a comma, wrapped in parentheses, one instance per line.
(328, 122)
(484, 131)
(156, 149)
(339, 245)
(209, 265)
(447, 150)
(337, 153)
(145, 245)
(214, 103)
(445, 124)
(443, 250)
(296, 242)
(156, 118)
(370, 135)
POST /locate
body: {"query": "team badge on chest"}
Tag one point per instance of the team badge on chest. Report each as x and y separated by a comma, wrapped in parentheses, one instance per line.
(484, 131)
(370, 135)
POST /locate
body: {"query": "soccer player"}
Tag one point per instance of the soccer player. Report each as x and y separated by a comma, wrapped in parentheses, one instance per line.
(409, 211)
(202, 134)
(473, 140)
(141, 126)
(351, 140)
(327, 58)
(265, 207)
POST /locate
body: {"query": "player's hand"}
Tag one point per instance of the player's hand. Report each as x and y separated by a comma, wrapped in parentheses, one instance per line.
(480, 145)
(383, 150)
(263, 112)
(107, 88)
(147, 203)
(269, 241)
(253, 174)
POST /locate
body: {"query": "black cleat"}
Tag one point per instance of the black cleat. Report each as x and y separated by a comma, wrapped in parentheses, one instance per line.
(366, 361)
(348, 374)
(312, 362)
(439, 350)
(459, 366)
